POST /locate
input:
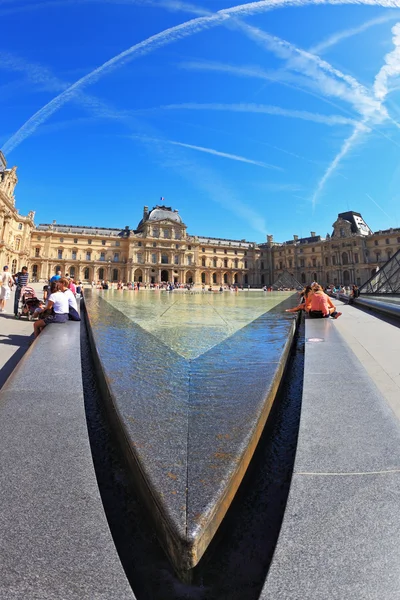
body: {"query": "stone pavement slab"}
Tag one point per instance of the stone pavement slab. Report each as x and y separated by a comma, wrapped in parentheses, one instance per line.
(15, 336)
(340, 537)
(55, 542)
(376, 344)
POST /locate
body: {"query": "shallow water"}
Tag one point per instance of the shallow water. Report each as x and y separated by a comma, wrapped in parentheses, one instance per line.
(192, 323)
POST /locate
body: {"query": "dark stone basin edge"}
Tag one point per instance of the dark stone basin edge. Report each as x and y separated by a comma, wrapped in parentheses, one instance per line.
(167, 534)
(199, 545)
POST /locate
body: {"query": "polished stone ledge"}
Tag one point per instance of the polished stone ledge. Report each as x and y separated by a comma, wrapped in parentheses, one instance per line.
(340, 536)
(55, 541)
(379, 306)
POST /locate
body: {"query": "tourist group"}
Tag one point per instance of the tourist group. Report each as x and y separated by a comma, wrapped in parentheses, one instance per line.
(316, 303)
(59, 299)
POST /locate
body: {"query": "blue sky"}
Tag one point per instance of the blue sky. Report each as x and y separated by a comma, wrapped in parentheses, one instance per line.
(265, 118)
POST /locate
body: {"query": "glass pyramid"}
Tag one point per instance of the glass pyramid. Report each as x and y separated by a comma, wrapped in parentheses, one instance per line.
(286, 280)
(386, 280)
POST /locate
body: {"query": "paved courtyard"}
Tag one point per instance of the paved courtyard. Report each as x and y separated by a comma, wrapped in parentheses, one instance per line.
(15, 337)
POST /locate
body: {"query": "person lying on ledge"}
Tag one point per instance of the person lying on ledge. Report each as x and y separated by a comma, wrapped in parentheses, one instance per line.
(57, 303)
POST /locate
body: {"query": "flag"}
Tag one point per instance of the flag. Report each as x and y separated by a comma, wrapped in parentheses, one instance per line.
(162, 199)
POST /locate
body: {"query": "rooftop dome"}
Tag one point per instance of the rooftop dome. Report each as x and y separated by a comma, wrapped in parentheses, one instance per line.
(158, 213)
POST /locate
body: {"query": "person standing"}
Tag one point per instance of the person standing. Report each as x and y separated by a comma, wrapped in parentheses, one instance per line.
(21, 280)
(56, 277)
(6, 284)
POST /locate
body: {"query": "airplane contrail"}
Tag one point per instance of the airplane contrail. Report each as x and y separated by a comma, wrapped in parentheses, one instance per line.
(161, 39)
(391, 68)
(346, 33)
(380, 207)
(264, 109)
(236, 157)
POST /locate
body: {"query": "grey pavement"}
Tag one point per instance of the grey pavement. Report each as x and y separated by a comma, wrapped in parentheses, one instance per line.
(55, 541)
(15, 336)
(376, 344)
(340, 537)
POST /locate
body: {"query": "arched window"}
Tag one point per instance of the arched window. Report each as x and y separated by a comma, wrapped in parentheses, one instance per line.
(225, 278)
(345, 258)
(115, 275)
(203, 262)
(214, 278)
(101, 273)
(34, 271)
(86, 273)
(164, 259)
(203, 278)
(315, 277)
(303, 278)
(58, 268)
(72, 272)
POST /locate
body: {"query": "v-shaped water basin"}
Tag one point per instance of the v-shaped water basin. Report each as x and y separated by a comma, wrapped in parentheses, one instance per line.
(192, 379)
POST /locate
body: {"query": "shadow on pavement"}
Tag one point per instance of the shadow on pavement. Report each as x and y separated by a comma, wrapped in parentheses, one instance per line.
(22, 343)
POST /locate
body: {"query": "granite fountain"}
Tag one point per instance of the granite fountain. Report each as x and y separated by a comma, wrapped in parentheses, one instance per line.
(189, 381)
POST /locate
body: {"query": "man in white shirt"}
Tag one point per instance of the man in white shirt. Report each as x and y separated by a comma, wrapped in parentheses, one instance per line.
(7, 282)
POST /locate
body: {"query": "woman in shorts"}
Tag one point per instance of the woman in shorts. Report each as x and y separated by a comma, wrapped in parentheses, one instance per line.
(57, 302)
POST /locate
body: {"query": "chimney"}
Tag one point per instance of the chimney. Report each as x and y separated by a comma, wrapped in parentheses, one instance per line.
(312, 233)
(295, 237)
(270, 239)
(145, 212)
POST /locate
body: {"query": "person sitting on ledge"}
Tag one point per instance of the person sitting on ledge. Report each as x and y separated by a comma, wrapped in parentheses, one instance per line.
(322, 306)
(304, 300)
(58, 304)
(72, 305)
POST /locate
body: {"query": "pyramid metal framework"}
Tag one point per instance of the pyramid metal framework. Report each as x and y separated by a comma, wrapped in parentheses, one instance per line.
(386, 280)
(286, 280)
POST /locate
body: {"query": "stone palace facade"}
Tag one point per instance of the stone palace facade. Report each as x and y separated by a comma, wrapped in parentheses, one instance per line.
(160, 249)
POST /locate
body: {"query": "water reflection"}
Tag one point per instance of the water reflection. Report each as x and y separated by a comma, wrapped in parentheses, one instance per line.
(191, 324)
